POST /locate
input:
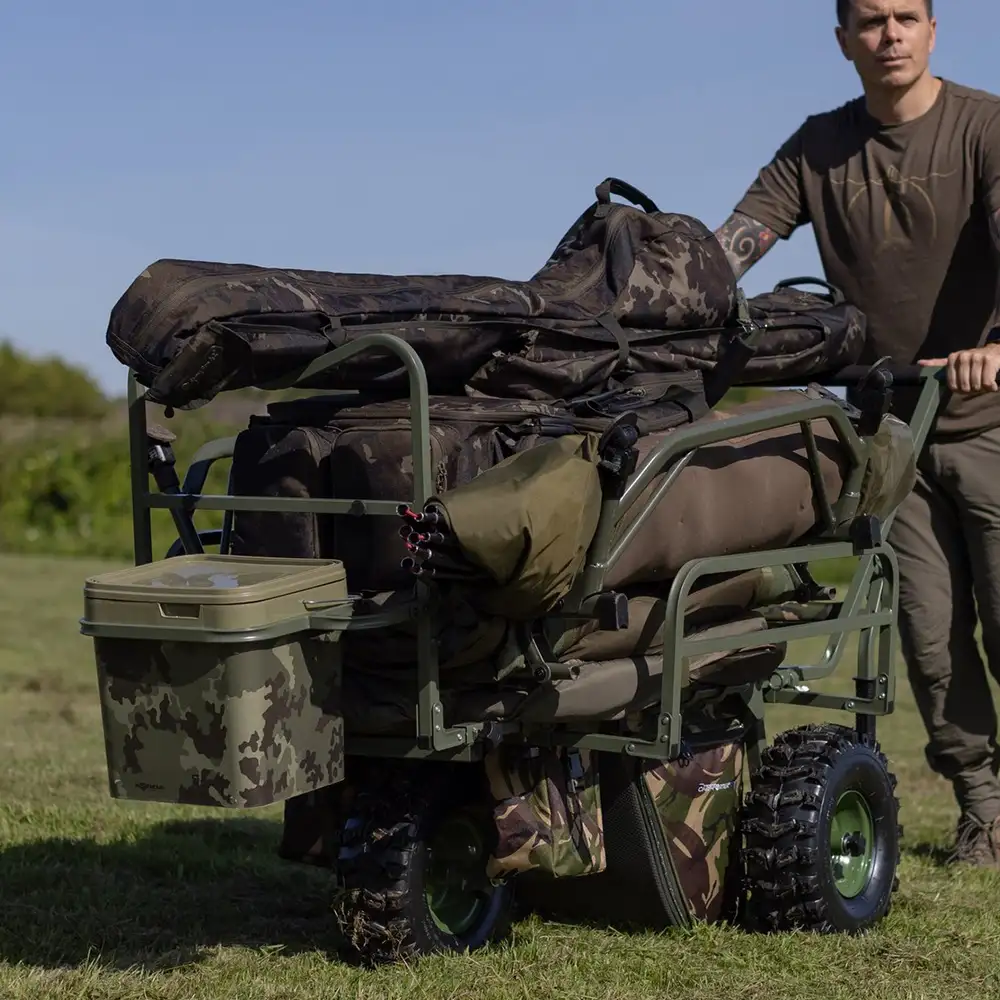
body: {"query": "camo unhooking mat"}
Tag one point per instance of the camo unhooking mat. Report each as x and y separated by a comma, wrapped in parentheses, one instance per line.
(549, 817)
(697, 802)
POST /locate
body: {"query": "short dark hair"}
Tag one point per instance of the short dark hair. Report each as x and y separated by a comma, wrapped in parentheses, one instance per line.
(844, 10)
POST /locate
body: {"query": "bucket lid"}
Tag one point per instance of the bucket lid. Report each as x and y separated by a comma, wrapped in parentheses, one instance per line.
(214, 579)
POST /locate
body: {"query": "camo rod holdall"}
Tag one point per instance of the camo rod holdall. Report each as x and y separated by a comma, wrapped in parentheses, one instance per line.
(191, 329)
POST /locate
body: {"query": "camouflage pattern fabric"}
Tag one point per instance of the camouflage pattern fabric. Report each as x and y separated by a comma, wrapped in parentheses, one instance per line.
(191, 329)
(312, 448)
(547, 812)
(800, 336)
(211, 725)
(803, 335)
(697, 804)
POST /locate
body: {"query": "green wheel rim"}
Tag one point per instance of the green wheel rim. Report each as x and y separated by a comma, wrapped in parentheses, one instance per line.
(852, 844)
(455, 885)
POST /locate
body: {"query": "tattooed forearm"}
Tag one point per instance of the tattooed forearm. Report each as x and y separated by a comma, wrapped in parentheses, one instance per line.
(745, 241)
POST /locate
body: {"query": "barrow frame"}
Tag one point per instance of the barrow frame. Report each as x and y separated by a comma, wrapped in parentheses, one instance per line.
(869, 607)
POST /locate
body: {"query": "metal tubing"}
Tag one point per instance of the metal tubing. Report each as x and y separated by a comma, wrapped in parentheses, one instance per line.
(419, 412)
(432, 737)
(627, 537)
(717, 432)
(143, 500)
(203, 460)
(680, 647)
(816, 472)
(142, 529)
(293, 505)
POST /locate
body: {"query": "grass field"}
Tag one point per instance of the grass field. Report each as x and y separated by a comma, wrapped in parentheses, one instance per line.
(104, 899)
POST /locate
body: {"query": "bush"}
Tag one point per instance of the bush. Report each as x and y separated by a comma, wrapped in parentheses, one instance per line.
(46, 388)
(68, 492)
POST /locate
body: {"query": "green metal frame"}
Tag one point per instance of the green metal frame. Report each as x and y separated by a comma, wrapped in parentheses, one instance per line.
(869, 606)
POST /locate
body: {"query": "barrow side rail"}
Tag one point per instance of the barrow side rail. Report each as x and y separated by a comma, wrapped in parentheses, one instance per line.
(869, 607)
(430, 730)
(432, 736)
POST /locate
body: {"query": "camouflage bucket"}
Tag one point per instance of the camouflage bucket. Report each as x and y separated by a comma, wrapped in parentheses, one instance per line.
(547, 812)
(697, 802)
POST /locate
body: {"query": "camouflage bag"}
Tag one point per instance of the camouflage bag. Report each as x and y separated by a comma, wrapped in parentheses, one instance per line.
(191, 329)
(321, 448)
(803, 334)
(697, 803)
(547, 812)
(795, 334)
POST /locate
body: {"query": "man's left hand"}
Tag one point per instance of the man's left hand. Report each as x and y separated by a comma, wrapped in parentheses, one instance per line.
(971, 371)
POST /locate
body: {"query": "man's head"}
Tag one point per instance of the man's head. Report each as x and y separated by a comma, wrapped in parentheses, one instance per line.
(889, 41)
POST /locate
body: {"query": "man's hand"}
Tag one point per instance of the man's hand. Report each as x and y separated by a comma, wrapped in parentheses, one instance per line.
(972, 371)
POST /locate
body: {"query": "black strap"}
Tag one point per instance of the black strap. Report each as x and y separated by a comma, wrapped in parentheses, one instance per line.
(612, 185)
(835, 294)
(734, 357)
(615, 329)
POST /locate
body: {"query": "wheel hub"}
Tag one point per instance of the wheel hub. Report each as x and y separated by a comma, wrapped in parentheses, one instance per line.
(455, 884)
(852, 844)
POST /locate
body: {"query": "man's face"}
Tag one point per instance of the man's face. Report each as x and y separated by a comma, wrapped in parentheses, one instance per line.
(889, 41)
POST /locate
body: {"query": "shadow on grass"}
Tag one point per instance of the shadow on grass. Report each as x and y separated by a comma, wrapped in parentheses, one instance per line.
(184, 888)
(163, 900)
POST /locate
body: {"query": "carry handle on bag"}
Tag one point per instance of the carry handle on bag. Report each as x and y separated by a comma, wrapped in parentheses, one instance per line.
(603, 193)
(612, 185)
(836, 296)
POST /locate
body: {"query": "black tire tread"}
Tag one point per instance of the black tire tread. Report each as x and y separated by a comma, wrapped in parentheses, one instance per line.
(379, 844)
(780, 826)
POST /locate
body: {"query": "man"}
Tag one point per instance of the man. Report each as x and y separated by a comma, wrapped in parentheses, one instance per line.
(902, 188)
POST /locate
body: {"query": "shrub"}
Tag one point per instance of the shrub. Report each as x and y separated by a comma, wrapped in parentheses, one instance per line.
(46, 388)
(68, 492)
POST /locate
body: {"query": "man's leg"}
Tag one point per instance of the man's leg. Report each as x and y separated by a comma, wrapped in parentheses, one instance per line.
(937, 621)
(970, 472)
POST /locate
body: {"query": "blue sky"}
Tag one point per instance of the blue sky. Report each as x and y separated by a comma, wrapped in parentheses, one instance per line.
(444, 135)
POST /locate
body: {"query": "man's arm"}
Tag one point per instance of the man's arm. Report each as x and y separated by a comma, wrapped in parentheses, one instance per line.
(776, 196)
(976, 370)
(745, 241)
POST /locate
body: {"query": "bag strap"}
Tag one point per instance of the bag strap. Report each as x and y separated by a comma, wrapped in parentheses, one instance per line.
(835, 294)
(612, 185)
(611, 324)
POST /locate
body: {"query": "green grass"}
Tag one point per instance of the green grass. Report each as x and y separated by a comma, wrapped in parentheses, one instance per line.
(103, 899)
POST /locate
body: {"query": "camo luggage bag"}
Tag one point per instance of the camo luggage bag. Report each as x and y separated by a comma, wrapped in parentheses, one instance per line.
(323, 448)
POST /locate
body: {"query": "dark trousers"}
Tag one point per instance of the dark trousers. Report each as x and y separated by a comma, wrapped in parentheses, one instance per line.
(947, 537)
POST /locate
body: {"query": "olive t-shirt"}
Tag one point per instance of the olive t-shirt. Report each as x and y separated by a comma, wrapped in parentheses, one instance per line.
(901, 218)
